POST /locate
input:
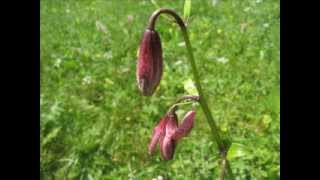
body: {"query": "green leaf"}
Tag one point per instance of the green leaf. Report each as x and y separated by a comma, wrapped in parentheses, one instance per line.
(52, 135)
(155, 3)
(190, 87)
(273, 100)
(186, 9)
(236, 150)
(108, 82)
(266, 120)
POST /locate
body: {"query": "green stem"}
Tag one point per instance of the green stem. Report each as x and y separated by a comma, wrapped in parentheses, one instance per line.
(202, 100)
(191, 99)
(206, 110)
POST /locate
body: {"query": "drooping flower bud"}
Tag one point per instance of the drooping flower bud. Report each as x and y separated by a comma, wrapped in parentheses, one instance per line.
(186, 126)
(167, 147)
(168, 132)
(167, 144)
(158, 131)
(150, 62)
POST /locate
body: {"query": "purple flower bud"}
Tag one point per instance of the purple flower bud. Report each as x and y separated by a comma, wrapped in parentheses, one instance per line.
(167, 144)
(168, 133)
(158, 131)
(186, 126)
(150, 63)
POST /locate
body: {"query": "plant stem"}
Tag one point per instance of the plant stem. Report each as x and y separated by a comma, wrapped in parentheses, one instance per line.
(188, 97)
(207, 112)
(202, 100)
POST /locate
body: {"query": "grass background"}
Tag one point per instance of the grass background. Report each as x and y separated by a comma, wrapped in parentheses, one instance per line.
(96, 125)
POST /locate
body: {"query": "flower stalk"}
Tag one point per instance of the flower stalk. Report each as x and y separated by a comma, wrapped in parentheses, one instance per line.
(225, 167)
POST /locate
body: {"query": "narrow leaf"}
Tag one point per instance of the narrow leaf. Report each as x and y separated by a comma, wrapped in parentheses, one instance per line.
(190, 87)
(236, 150)
(187, 9)
(155, 3)
(186, 125)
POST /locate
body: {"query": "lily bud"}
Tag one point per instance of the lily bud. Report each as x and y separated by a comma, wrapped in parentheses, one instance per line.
(167, 144)
(186, 126)
(150, 62)
(167, 133)
(158, 132)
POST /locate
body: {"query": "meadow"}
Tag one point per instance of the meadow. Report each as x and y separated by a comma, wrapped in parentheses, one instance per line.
(96, 125)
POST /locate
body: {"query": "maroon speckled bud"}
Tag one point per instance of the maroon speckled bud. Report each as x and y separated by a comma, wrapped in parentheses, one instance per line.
(167, 143)
(150, 62)
(167, 133)
(158, 132)
(186, 126)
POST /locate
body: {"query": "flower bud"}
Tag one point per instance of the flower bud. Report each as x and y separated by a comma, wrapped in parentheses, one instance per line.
(167, 144)
(167, 133)
(158, 131)
(150, 62)
(186, 126)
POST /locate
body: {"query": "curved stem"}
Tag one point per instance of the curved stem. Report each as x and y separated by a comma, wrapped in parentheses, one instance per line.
(188, 97)
(202, 99)
(155, 15)
(174, 107)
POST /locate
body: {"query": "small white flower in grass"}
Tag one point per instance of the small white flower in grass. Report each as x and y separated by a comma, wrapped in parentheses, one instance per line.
(159, 178)
(57, 63)
(222, 60)
(87, 80)
(261, 53)
(108, 55)
(190, 87)
(266, 25)
(246, 9)
(101, 27)
(243, 26)
(215, 2)
(181, 44)
(178, 62)
(130, 18)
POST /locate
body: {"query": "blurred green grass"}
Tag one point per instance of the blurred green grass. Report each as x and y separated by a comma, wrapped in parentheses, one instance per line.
(96, 125)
